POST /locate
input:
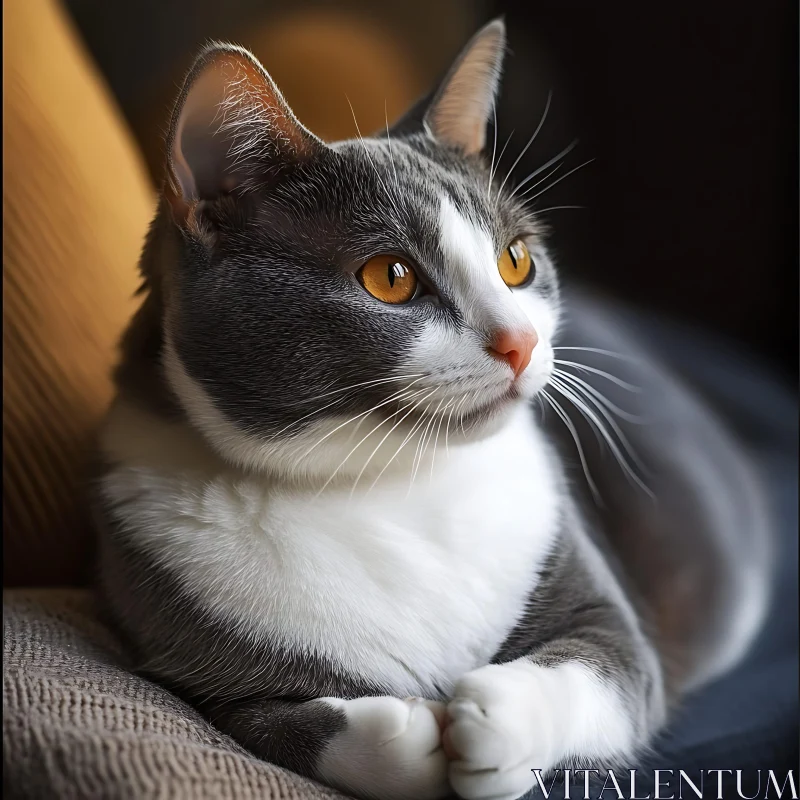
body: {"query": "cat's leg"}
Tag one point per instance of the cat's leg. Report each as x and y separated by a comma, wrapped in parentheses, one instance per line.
(577, 685)
(372, 747)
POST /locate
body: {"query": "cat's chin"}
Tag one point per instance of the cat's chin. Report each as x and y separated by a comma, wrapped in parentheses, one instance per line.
(488, 419)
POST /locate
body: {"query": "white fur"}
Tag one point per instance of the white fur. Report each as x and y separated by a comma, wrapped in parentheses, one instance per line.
(407, 589)
(391, 749)
(488, 306)
(509, 719)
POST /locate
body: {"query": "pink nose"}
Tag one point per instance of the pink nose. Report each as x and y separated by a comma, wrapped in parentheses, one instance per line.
(515, 347)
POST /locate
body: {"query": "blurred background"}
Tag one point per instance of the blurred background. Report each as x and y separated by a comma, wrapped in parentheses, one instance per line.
(689, 111)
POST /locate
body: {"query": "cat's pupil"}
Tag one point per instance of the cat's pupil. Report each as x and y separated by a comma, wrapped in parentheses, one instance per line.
(391, 274)
(513, 256)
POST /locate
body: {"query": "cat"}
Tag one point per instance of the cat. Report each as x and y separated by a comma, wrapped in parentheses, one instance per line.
(331, 514)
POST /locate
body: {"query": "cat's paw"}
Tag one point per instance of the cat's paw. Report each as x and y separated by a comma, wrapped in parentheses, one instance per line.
(390, 749)
(500, 728)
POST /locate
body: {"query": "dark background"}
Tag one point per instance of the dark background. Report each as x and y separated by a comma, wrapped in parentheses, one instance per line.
(689, 110)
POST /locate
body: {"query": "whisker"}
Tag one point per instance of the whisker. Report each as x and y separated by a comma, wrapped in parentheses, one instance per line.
(405, 441)
(367, 153)
(537, 397)
(544, 166)
(461, 416)
(530, 141)
(396, 396)
(544, 178)
(373, 382)
(411, 407)
(609, 353)
(389, 139)
(629, 449)
(574, 433)
(438, 431)
(607, 375)
(557, 180)
(554, 208)
(592, 417)
(447, 427)
(432, 428)
(364, 439)
(598, 436)
(582, 385)
(423, 446)
(571, 391)
(494, 150)
(493, 175)
(285, 428)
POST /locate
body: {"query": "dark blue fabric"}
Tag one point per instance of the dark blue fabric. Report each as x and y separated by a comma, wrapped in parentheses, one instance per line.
(749, 719)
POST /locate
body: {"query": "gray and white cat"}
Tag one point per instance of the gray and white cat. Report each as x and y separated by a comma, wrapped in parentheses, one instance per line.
(332, 517)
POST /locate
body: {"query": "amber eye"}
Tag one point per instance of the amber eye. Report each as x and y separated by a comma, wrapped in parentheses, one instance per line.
(515, 264)
(389, 278)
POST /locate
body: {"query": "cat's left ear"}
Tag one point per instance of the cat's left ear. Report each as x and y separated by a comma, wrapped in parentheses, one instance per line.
(231, 129)
(461, 108)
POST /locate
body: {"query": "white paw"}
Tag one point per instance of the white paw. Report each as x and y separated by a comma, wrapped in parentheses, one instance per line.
(501, 727)
(391, 749)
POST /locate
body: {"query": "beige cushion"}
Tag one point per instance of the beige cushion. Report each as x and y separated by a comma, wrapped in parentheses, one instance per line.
(76, 207)
(77, 723)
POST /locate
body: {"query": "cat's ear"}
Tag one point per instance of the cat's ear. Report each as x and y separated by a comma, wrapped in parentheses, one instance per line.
(461, 107)
(230, 129)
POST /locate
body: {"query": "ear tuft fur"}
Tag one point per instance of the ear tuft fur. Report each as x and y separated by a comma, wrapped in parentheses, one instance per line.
(231, 128)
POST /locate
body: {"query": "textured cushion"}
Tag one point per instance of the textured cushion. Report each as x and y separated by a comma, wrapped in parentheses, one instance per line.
(76, 206)
(77, 724)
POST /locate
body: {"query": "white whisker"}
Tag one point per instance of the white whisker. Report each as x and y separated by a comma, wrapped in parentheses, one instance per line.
(405, 441)
(346, 389)
(557, 180)
(389, 139)
(592, 417)
(607, 375)
(583, 386)
(544, 166)
(554, 208)
(364, 439)
(610, 353)
(396, 396)
(530, 141)
(574, 433)
(494, 151)
(499, 160)
(374, 382)
(423, 446)
(411, 408)
(447, 427)
(367, 153)
(438, 431)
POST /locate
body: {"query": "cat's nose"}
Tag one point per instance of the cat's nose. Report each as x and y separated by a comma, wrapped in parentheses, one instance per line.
(515, 347)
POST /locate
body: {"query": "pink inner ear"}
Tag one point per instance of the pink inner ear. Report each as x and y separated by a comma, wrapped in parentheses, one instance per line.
(461, 111)
(233, 119)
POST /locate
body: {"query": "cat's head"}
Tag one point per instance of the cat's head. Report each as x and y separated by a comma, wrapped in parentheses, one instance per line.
(330, 299)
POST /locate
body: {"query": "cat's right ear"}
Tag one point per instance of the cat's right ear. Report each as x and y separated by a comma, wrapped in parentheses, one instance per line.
(231, 130)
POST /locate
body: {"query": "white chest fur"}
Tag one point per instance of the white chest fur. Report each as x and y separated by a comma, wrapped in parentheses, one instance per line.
(410, 587)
